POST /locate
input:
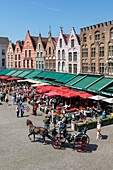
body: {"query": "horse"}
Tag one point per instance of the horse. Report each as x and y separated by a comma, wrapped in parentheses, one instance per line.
(33, 130)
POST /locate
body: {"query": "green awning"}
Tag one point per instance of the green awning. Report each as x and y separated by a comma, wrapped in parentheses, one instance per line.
(23, 74)
(101, 84)
(74, 80)
(11, 72)
(4, 72)
(109, 88)
(66, 77)
(56, 75)
(43, 74)
(32, 74)
(17, 73)
(85, 82)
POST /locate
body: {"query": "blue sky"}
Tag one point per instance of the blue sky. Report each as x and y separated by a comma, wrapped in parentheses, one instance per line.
(18, 16)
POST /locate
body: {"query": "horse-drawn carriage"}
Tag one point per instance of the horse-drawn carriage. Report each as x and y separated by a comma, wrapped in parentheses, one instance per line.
(78, 141)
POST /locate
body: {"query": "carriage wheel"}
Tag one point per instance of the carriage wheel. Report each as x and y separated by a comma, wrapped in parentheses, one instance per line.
(56, 143)
(85, 139)
(80, 146)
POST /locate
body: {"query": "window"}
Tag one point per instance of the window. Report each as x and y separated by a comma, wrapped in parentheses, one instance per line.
(75, 56)
(59, 55)
(39, 46)
(37, 54)
(31, 63)
(11, 57)
(15, 57)
(93, 69)
(11, 64)
(19, 64)
(70, 68)
(101, 53)
(84, 67)
(93, 52)
(58, 66)
(25, 53)
(60, 43)
(111, 34)
(27, 63)
(24, 63)
(17, 49)
(46, 64)
(18, 56)
(41, 54)
(49, 50)
(70, 56)
(42, 65)
(37, 64)
(63, 66)
(72, 43)
(85, 52)
(74, 68)
(3, 51)
(97, 36)
(50, 64)
(3, 62)
(29, 53)
(54, 65)
(101, 67)
(110, 50)
(63, 54)
(84, 38)
(16, 64)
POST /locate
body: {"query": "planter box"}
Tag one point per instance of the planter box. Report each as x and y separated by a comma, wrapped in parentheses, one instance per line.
(105, 122)
(79, 127)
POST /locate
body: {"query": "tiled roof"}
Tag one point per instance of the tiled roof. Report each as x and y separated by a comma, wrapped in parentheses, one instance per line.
(34, 41)
(66, 37)
(44, 41)
(78, 38)
(55, 41)
(4, 41)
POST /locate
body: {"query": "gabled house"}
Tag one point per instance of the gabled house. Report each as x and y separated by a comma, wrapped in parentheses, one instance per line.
(68, 52)
(50, 57)
(28, 58)
(61, 52)
(40, 52)
(10, 55)
(4, 41)
(17, 54)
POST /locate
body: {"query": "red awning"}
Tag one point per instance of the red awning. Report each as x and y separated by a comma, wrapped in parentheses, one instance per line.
(51, 94)
(4, 77)
(85, 95)
(13, 78)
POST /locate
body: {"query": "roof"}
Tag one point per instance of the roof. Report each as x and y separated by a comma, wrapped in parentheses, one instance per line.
(66, 37)
(85, 82)
(34, 41)
(44, 41)
(75, 80)
(4, 41)
(101, 84)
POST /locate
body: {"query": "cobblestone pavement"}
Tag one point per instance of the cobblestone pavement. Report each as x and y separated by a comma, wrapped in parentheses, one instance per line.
(17, 152)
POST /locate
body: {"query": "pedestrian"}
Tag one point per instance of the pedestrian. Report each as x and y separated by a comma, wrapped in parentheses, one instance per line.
(22, 109)
(47, 122)
(17, 111)
(98, 129)
(6, 99)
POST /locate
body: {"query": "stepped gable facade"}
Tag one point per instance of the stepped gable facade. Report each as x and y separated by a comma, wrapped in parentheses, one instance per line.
(10, 55)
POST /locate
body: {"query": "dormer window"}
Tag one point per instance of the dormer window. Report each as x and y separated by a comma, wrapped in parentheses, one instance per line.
(84, 38)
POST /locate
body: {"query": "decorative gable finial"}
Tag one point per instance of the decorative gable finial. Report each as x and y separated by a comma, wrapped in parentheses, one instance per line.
(49, 33)
(61, 29)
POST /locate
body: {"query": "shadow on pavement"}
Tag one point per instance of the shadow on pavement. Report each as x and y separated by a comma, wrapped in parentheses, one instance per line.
(91, 148)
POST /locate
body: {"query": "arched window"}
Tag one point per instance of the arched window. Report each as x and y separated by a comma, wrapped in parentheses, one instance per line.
(111, 33)
(63, 66)
(58, 66)
(58, 54)
(97, 36)
(63, 54)
(60, 43)
(101, 52)
(93, 51)
(84, 38)
(49, 50)
(110, 50)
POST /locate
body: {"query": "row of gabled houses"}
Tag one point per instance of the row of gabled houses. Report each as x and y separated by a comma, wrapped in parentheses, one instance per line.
(89, 52)
(61, 54)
